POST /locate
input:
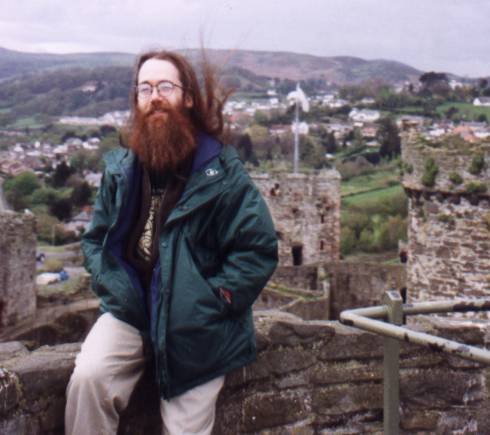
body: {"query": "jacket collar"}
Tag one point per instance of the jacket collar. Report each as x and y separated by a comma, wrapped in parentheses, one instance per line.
(122, 159)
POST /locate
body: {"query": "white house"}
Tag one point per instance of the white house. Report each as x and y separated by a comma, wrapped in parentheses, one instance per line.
(482, 101)
(364, 115)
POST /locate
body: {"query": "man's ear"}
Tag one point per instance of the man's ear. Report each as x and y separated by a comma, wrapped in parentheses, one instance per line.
(188, 101)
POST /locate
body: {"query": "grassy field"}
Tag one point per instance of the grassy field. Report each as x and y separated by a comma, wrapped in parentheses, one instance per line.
(28, 122)
(365, 183)
(466, 110)
(363, 199)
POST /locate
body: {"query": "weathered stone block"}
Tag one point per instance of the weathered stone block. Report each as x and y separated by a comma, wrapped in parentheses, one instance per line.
(21, 424)
(46, 369)
(344, 372)
(347, 398)
(419, 420)
(9, 391)
(266, 410)
(294, 333)
(350, 343)
(437, 387)
(11, 349)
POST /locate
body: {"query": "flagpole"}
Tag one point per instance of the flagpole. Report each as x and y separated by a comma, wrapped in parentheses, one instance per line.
(296, 138)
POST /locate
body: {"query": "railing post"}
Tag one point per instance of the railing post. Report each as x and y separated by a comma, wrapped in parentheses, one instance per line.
(391, 360)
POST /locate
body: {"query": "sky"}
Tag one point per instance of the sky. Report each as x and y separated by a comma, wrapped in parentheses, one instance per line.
(441, 35)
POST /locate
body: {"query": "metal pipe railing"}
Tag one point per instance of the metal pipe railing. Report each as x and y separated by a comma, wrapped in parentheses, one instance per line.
(394, 311)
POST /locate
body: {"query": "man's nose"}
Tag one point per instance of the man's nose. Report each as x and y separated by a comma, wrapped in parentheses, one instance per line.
(155, 95)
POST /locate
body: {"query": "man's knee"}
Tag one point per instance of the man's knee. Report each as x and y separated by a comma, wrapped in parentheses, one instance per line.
(89, 370)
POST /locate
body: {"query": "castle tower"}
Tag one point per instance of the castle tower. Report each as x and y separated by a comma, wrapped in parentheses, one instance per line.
(306, 213)
(17, 267)
(448, 185)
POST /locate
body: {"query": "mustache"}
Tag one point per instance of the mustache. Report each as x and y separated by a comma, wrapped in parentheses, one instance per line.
(159, 107)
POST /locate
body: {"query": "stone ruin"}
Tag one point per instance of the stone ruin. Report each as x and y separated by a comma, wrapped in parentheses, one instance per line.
(449, 218)
(17, 267)
(306, 212)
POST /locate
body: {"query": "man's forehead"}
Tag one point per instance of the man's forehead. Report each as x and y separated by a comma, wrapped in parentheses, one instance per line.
(155, 70)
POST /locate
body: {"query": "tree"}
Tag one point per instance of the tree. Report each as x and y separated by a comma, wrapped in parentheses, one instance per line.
(81, 194)
(328, 141)
(61, 174)
(245, 149)
(434, 83)
(61, 208)
(451, 112)
(45, 196)
(482, 118)
(18, 190)
(389, 138)
(23, 184)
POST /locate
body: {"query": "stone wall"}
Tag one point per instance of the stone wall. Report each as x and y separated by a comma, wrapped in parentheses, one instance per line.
(356, 285)
(449, 223)
(302, 277)
(328, 289)
(17, 267)
(310, 377)
(306, 213)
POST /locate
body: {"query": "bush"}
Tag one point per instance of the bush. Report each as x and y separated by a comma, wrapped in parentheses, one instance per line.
(390, 232)
(348, 240)
(52, 265)
(354, 168)
(430, 173)
(45, 195)
(18, 190)
(477, 164)
(476, 187)
(455, 178)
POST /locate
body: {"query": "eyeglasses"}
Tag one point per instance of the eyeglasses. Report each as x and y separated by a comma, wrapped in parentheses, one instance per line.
(164, 89)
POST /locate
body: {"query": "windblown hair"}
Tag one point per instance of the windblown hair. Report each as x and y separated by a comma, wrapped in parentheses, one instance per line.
(208, 98)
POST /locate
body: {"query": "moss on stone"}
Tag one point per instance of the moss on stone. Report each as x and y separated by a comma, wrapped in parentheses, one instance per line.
(445, 218)
(476, 187)
(455, 178)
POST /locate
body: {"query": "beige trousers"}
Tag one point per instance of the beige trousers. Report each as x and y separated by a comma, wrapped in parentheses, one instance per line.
(106, 371)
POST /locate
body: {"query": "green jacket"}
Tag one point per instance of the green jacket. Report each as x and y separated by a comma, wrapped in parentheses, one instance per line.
(219, 235)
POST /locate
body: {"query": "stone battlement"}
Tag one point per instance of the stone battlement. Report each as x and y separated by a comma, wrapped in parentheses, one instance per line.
(453, 166)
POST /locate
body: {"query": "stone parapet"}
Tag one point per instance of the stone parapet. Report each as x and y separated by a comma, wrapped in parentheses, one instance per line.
(310, 377)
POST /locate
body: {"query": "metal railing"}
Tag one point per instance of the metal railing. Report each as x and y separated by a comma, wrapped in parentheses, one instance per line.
(394, 311)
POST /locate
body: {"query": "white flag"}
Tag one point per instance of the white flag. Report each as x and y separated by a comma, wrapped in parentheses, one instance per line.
(299, 97)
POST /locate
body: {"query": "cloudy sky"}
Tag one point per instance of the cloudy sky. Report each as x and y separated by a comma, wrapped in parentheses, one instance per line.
(442, 35)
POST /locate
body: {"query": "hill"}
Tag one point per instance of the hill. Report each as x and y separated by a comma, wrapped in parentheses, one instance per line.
(95, 83)
(284, 65)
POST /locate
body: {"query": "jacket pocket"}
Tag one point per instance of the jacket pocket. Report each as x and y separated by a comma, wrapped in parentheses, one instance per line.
(194, 303)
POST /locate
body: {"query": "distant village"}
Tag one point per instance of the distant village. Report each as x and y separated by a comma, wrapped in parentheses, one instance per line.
(240, 114)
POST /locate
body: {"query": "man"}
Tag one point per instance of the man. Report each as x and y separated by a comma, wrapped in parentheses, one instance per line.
(180, 245)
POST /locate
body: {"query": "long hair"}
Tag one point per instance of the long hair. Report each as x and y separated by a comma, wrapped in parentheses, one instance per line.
(208, 99)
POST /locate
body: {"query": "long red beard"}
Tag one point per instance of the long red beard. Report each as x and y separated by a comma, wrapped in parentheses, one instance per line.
(164, 139)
